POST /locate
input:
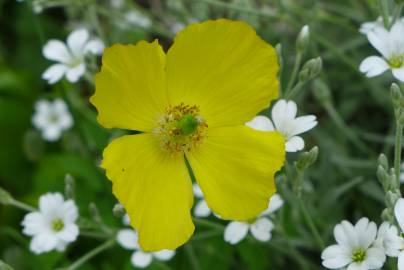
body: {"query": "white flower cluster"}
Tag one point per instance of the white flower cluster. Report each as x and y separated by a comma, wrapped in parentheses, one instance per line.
(285, 121)
(53, 226)
(362, 246)
(390, 44)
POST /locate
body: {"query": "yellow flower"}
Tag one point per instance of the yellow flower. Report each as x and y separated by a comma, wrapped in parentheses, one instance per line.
(190, 104)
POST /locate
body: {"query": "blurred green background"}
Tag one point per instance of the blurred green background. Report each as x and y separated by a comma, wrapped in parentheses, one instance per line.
(355, 125)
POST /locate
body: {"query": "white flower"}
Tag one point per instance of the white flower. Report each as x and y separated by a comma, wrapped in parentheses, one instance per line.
(128, 239)
(285, 121)
(53, 226)
(354, 248)
(52, 118)
(70, 58)
(399, 214)
(390, 44)
(388, 239)
(136, 18)
(260, 228)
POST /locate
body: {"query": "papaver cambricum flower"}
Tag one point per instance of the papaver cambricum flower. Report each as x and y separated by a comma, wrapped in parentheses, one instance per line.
(190, 106)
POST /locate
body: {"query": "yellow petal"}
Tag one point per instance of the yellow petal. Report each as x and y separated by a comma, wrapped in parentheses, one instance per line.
(154, 188)
(130, 90)
(235, 168)
(225, 68)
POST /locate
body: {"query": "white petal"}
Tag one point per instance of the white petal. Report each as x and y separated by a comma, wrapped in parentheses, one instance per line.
(126, 220)
(399, 212)
(128, 239)
(50, 204)
(202, 209)
(294, 144)
(401, 261)
(34, 223)
(380, 39)
(74, 74)
(141, 259)
(61, 246)
(51, 133)
(261, 229)
(375, 258)
(366, 232)
(373, 66)
(397, 37)
(261, 122)
(283, 113)
(69, 233)
(388, 239)
(345, 234)
(235, 232)
(335, 257)
(43, 243)
(95, 46)
(76, 42)
(197, 190)
(399, 73)
(302, 124)
(164, 255)
(54, 73)
(70, 211)
(274, 204)
(57, 51)
(357, 266)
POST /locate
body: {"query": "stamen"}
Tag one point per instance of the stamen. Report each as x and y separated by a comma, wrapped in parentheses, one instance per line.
(358, 255)
(57, 225)
(181, 128)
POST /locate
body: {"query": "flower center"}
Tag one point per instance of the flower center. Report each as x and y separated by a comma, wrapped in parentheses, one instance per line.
(358, 255)
(53, 118)
(181, 128)
(57, 225)
(396, 61)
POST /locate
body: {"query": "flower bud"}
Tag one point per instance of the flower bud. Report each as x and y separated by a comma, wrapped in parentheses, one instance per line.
(382, 160)
(311, 69)
(278, 49)
(387, 215)
(307, 159)
(303, 39)
(396, 95)
(384, 178)
(118, 210)
(5, 197)
(69, 186)
(391, 199)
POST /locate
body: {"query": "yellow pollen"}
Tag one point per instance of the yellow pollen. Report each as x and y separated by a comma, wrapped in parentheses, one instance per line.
(396, 61)
(181, 128)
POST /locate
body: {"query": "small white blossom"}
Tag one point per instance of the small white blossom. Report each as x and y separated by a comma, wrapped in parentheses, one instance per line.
(128, 239)
(390, 44)
(285, 121)
(136, 18)
(355, 248)
(388, 239)
(52, 118)
(260, 228)
(369, 26)
(399, 214)
(53, 226)
(70, 57)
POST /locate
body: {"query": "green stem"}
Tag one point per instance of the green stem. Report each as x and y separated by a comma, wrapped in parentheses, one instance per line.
(294, 90)
(192, 256)
(384, 6)
(309, 221)
(241, 8)
(23, 206)
(207, 223)
(296, 67)
(106, 245)
(397, 152)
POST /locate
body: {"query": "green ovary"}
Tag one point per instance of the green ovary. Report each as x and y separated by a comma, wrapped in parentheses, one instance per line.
(57, 225)
(396, 61)
(187, 124)
(358, 255)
